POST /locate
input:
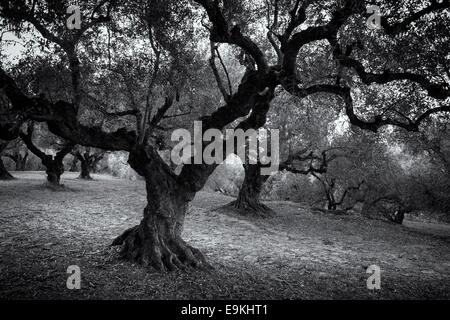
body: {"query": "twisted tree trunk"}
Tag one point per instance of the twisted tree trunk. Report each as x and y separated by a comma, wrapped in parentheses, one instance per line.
(248, 201)
(88, 162)
(157, 241)
(53, 164)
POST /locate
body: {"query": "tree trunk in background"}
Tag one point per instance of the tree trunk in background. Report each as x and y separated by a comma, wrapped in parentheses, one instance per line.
(96, 160)
(85, 167)
(73, 165)
(248, 201)
(88, 162)
(55, 169)
(4, 174)
(157, 241)
(387, 208)
(21, 162)
(53, 164)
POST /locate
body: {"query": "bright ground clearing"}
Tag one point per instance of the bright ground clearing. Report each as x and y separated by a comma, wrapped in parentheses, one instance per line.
(297, 254)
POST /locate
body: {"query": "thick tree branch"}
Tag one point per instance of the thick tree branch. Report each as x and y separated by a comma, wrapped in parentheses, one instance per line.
(61, 118)
(221, 32)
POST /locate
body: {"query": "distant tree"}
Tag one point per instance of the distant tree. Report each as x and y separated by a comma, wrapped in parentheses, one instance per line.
(89, 158)
(53, 163)
(17, 153)
(73, 164)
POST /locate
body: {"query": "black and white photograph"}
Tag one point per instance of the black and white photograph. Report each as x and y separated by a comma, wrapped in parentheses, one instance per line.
(248, 151)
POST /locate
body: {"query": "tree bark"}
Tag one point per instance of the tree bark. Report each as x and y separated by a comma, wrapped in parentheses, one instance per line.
(157, 241)
(248, 201)
(4, 174)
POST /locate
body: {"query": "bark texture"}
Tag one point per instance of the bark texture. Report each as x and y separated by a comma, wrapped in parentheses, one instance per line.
(248, 201)
(157, 240)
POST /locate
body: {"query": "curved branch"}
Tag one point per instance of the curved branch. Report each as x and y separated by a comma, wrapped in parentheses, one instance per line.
(221, 32)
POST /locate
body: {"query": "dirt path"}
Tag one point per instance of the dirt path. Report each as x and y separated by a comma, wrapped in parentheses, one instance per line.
(296, 254)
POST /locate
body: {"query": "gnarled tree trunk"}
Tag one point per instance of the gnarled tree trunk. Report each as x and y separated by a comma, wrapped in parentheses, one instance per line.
(157, 241)
(248, 201)
(88, 162)
(55, 168)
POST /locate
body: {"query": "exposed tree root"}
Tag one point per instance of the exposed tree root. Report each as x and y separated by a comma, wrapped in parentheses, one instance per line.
(159, 250)
(256, 209)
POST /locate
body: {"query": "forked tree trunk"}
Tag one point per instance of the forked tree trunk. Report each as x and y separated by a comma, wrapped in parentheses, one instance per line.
(248, 201)
(88, 163)
(4, 174)
(157, 241)
(53, 164)
(54, 170)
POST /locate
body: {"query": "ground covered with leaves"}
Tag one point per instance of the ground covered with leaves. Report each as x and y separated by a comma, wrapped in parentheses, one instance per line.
(297, 254)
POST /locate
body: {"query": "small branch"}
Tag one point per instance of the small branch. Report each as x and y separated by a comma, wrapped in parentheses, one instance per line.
(212, 63)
